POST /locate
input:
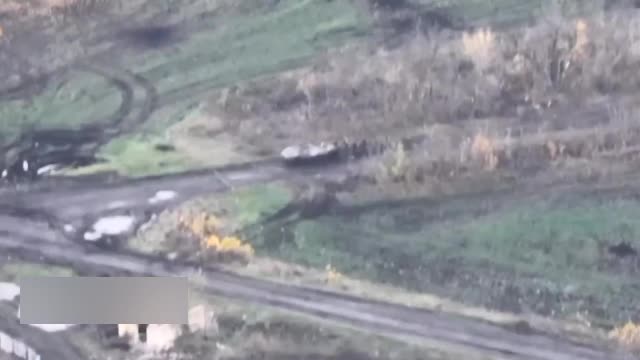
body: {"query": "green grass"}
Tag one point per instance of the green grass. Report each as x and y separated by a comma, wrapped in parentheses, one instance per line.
(238, 48)
(536, 245)
(254, 44)
(84, 98)
(12, 271)
(497, 13)
(252, 205)
(235, 48)
(135, 155)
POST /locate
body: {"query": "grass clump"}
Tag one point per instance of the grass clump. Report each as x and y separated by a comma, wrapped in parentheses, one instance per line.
(79, 100)
(137, 155)
(252, 205)
(13, 270)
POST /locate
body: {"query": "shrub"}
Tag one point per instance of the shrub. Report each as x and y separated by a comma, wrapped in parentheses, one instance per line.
(208, 229)
(627, 335)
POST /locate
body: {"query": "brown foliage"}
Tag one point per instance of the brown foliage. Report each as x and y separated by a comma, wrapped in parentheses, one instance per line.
(483, 151)
(442, 79)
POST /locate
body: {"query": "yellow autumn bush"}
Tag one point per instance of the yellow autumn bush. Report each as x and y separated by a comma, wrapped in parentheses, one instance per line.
(228, 244)
(627, 335)
(207, 228)
(201, 224)
(332, 274)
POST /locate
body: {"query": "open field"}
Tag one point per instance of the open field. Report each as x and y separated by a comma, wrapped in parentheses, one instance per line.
(59, 105)
(558, 255)
(505, 114)
(182, 53)
(517, 202)
(180, 62)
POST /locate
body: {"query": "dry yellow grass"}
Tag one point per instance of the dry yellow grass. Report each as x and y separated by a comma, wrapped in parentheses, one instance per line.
(200, 224)
(627, 335)
(395, 165)
(483, 150)
(582, 38)
(333, 276)
(479, 46)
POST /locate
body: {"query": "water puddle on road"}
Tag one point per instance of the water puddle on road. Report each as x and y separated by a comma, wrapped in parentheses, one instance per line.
(162, 196)
(110, 226)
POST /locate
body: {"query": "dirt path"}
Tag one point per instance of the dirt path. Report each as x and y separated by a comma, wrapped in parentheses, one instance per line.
(23, 236)
(87, 199)
(64, 146)
(451, 333)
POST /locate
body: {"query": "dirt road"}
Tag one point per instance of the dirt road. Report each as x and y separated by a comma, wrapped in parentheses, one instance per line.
(444, 331)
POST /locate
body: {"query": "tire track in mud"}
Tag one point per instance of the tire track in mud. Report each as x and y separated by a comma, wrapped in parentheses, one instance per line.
(91, 197)
(448, 332)
(122, 84)
(83, 143)
(127, 82)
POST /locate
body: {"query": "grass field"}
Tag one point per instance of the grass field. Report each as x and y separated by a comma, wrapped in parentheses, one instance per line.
(238, 49)
(81, 98)
(232, 50)
(11, 271)
(246, 46)
(228, 49)
(541, 256)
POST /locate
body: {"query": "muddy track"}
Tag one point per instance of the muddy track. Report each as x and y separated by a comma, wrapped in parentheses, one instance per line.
(122, 121)
(138, 101)
(124, 86)
(94, 199)
(448, 332)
